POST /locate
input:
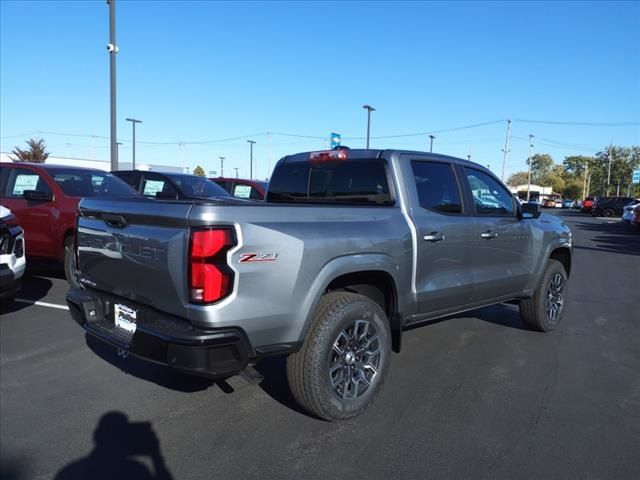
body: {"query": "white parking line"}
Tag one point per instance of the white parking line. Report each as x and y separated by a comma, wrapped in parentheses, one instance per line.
(42, 304)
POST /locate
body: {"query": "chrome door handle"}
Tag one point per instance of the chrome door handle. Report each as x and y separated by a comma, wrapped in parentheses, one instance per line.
(434, 237)
(488, 235)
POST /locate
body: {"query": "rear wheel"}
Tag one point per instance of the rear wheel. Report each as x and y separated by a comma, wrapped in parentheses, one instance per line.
(608, 212)
(70, 263)
(544, 310)
(341, 366)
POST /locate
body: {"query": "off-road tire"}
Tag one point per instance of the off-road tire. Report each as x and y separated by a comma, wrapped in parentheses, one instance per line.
(308, 370)
(534, 311)
(69, 263)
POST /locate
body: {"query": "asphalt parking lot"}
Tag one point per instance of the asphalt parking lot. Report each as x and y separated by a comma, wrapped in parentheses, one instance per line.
(475, 396)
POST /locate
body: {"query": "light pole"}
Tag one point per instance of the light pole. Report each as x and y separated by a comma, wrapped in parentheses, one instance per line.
(112, 48)
(133, 123)
(251, 142)
(222, 166)
(529, 174)
(369, 109)
(236, 169)
(431, 139)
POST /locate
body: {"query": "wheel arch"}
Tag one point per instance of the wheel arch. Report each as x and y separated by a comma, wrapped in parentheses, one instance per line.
(371, 275)
(562, 255)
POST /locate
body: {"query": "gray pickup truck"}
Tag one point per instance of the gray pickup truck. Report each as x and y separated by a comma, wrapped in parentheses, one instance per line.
(350, 247)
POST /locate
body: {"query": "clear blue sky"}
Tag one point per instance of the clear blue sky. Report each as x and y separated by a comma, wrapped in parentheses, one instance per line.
(204, 71)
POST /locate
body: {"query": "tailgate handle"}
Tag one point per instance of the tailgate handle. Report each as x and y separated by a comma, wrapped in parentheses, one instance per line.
(114, 220)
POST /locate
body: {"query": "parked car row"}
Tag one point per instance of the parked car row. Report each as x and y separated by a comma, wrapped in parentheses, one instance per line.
(44, 199)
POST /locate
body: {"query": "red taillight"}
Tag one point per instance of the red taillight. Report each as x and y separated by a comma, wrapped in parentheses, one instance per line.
(210, 277)
(328, 156)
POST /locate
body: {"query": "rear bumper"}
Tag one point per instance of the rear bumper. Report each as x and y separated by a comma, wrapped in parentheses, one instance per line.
(161, 338)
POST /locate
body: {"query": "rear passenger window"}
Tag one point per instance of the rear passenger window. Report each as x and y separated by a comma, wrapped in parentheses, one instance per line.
(489, 197)
(437, 187)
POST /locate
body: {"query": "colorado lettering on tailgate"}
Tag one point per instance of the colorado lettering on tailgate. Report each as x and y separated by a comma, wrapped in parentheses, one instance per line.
(109, 244)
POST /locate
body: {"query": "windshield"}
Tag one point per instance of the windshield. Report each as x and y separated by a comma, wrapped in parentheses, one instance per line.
(91, 183)
(194, 186)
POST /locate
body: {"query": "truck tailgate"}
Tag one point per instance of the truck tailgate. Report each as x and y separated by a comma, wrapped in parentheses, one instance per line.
(135, 249)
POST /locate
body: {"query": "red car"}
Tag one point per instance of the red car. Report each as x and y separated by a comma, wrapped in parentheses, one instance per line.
(588, 203)
(243, 188)
(44, 199)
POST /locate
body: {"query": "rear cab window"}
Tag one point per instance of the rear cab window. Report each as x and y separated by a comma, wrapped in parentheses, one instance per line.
(360, 181)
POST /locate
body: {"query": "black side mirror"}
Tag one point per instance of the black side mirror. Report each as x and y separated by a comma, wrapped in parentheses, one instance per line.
(530, 210)
(37, 196)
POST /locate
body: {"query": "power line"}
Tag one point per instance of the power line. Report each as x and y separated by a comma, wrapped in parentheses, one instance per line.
(582, 124)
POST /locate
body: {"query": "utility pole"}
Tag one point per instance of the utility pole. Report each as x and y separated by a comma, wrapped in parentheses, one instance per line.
(586, 171)
(529, 174)
(236, 169)
(222, 166)
(431, 138)
(609, 174)
(369, 109)
(506, 149)
(133, 124)
(618, 189)
(112, 48)
(588, 185)
(251, 142)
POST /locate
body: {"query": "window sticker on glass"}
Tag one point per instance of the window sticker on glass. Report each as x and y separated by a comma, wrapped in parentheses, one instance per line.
(24, 182)
(242, 191)
(151, 187)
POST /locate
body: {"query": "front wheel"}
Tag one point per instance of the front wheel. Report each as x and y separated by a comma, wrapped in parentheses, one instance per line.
(342, 364)
(544, 310)
(70, 263)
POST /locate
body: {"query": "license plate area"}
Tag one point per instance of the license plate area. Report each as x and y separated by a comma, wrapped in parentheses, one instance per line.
(125, 317)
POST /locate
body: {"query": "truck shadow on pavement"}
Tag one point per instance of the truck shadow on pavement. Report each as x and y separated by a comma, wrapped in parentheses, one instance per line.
(117, 444)
(158, 374)
(613, 237)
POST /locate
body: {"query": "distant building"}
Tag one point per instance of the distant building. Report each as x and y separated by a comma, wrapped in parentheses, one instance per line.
(101, 164)
(537, 192)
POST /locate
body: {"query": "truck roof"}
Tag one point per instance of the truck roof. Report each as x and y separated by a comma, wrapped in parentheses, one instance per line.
(363, 153)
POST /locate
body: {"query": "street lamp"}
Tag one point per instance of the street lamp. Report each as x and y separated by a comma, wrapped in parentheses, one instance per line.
(251, 142)
(222, 166)
(529, 175)
(369, 109)
(118, 151)
(236, 169)
(133, 123)
(431, 138)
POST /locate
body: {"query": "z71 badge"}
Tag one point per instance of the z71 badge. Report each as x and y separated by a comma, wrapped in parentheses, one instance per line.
(258, 257)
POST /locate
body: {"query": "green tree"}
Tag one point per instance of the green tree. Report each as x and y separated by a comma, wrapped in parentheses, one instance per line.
(573, 189)
(199, 171)
(518, 178)
(541, 165)
(574, 166)
(36, 153)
